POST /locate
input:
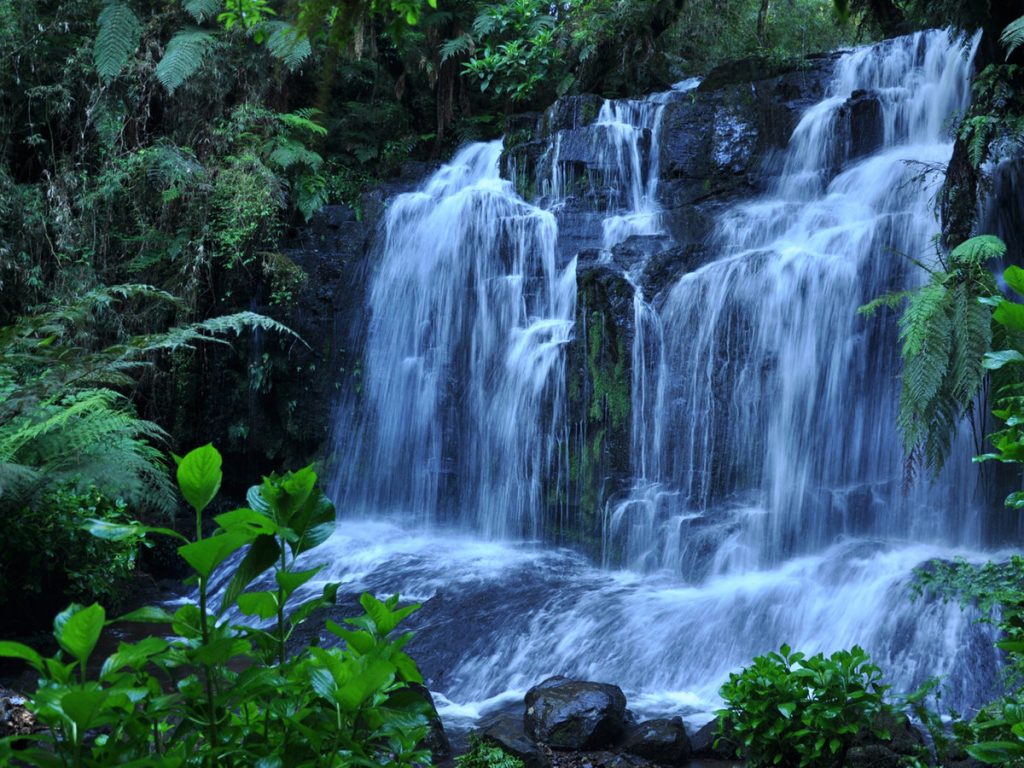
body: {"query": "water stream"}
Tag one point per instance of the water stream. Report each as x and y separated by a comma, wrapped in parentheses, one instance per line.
(769, 502)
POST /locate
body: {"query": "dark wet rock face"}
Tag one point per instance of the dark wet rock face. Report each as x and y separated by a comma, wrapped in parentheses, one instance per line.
(708, 745)
(508, 731)
(573, 714)
(664, 741)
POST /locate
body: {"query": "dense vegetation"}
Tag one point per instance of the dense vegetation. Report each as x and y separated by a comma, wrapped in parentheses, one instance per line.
(155, 156)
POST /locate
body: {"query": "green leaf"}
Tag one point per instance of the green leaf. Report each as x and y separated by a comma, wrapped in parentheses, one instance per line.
(133, 655)
(993, 361)
(149, 614)
(78, 632)
(1010, 315)
(289, 581)
(1014, 277)
(205, 555)
(787, 709)
(12, 650)
(996, 752)
(84, 706)
(263, 553)
(382, 616)
(104, 529)
(199, 476)
(246, 521)
(262, 604)
(117, 38)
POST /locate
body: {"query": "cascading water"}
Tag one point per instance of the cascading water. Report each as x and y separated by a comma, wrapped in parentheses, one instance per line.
(469, 315)
(768, 500)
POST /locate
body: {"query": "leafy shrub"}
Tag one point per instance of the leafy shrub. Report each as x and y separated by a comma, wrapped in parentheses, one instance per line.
(47, 556)
(790, 709)
(223, 691)
(483, 754)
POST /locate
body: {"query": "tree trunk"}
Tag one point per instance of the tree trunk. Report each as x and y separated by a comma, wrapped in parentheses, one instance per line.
(762, 24)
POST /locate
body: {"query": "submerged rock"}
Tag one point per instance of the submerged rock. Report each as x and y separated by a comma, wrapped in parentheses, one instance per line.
(574, 714)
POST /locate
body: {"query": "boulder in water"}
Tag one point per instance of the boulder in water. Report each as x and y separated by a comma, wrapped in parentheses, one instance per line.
(663, 741)
(574, 714)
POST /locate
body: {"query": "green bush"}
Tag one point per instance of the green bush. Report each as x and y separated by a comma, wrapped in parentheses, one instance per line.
(47, 556)
(790, 709)
(226, 692)
(483, 754)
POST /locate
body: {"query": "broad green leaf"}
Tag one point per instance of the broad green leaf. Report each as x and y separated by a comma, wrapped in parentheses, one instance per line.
(12, 650)
(787, 709)
(383, 617)
(199, 476)
(993, 361)
(263, 553)
(84, 706)
(1014, 277)
(262, 604)
(323, 682)
(246, 521)
(133, 655)
(149, 614)
(286, 495)
(996, 752)
(205, 555)
(1010, 314)
(289, 581)
(78, 632)
(104, 529)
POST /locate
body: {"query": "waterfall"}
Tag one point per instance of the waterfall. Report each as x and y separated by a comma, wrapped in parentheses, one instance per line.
(464, 398)
(768, 502)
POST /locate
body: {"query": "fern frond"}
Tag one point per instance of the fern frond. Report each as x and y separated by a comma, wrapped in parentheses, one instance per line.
(287, 153)
(977, 251)
(888, 300)
(303, 120)
(1013, 36)
(201, 10)
(457, 46)
(972, 338)
(117, 38)
(485, 23)
(288, 43)
(183, 57)
(924, 307)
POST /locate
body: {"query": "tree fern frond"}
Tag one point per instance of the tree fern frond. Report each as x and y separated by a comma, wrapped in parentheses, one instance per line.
(288, 43)
(288, 153)
(183, 57)
(201, 10)
(303, 120)
(1013, 36)
(972, 338)
(117, 38)
(923, 308)
(457, 46)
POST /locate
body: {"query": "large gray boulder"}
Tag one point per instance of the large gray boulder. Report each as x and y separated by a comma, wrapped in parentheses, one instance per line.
(574, 714)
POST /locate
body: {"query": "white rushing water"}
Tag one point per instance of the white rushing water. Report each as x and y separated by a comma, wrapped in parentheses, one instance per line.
(768, 501)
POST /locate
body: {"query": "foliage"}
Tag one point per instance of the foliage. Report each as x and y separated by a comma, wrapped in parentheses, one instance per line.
(224, 691)
(945, 330)
(64, 417)
(47, 557)
(996, 734)
(484, 754)
(791, 709)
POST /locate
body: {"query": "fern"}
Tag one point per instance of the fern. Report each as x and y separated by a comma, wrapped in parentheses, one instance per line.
(1013, 36)
(117, 38)
(288, 43)
(303, 120)
(201, 10)
(183, 57)
(457, 46)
